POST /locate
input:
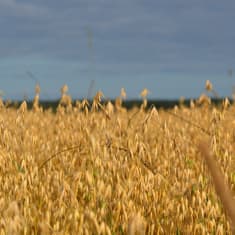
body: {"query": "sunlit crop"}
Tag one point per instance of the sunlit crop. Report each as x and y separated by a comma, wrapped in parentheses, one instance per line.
(97, 168)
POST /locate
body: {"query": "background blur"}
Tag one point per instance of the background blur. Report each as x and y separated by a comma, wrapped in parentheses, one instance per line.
(169, 47)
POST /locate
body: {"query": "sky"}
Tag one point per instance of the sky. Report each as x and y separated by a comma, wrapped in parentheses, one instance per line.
(169, 47)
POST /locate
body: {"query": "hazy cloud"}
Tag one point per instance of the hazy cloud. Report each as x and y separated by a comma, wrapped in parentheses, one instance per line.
(125, 38)
(16, 8)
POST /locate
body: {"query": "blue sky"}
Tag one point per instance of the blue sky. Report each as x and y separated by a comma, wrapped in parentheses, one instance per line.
(169, 47)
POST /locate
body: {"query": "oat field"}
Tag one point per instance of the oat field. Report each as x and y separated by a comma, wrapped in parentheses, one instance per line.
(101, 169)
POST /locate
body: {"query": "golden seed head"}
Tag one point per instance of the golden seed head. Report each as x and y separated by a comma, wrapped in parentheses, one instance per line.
(208, 86)
(23, 107)
(109, 108)
(37, 89)
(123, 93)
(192, 105)
(85, 103)
(154, 112)
(144, 92)
(1, 103)
(64, 89)
(118, 102)
(204, 99)
(226, 103)
(98, 96)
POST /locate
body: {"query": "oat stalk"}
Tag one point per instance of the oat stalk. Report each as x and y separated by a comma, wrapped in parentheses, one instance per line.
(56, 154)
(221, 187)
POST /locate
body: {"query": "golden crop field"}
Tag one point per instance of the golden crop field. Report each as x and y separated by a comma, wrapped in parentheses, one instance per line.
(107, 170)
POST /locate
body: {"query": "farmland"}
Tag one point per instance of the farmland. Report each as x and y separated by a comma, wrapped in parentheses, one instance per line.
(92, 168)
